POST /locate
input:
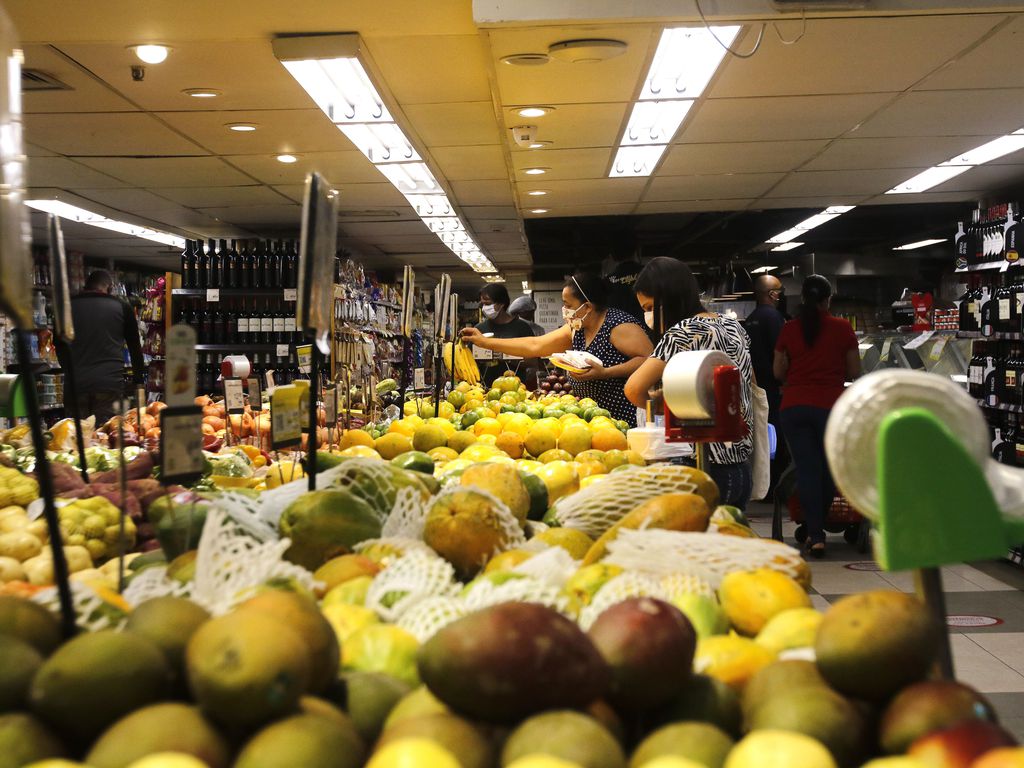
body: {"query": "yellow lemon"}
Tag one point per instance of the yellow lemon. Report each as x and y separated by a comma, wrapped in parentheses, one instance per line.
(751, 598)
(487, 426)
(402, 427)
(361, 451)
(446, 426)
(413, 753)
(542, 761)
(355, 437)
(560, 477)
(488, 439)
(779, 749)
(479, 451)
(731, 659)
(168, 760)
(589, 480)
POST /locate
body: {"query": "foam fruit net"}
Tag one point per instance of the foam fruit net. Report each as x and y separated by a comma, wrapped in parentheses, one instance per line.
(598, 507)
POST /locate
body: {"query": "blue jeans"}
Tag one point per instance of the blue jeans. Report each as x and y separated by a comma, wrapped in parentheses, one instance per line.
(734, 481)
(804, 428)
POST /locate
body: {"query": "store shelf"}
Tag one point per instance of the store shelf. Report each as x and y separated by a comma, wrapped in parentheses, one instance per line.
(237, 347)
(993, 337)
(230, 292)
(1002, 407)
(989, 266)
(54, 407)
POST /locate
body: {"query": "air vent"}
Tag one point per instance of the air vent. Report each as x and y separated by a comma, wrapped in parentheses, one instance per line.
(37, 80)
(372, 213)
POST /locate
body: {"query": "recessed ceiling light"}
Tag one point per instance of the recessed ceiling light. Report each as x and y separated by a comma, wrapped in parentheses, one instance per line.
(586, 51)
(287, 159)
(202, 93)
(534, 111)
(151, 54)
(241, 127)
(539, 144)
(525, 59)
(535, 171)
(538, 210)
(537, 192)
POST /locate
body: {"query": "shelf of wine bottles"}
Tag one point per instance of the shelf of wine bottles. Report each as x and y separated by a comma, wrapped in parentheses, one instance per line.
(237, 322)
(240, 264)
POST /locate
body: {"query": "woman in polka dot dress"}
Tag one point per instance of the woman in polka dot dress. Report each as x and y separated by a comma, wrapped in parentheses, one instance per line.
(612, 336)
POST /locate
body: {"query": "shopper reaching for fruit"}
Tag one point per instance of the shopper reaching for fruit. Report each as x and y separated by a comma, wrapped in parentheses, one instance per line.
(612, 336)
(494, 304)
(670, 297)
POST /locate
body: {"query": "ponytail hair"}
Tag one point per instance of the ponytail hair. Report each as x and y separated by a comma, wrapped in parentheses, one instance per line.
(815, 292)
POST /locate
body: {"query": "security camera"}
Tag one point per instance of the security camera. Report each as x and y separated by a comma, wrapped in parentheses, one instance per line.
(138, 73)
(524, 135)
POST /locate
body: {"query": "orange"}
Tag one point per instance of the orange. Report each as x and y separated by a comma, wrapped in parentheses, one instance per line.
(487, 426)
(355, 437)
(588, 468)
(609, 440)
(511, 443)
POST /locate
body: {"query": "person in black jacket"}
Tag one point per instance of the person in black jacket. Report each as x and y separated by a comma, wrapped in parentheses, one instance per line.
(104, 326)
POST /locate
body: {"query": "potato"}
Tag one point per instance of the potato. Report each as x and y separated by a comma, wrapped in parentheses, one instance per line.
(39, 529)
(20, 545)
(14, 522)
(12, 510)
(78, 559)
(11, 570)
(39, 570)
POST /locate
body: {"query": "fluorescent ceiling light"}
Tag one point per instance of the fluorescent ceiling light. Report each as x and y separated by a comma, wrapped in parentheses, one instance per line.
(82, 216)
(928, 179)
(787, 246)
(493, 278)
(444, 224)
(685, 61)
(655, 122)
(786, 236)
(920, 244)
(537, 192)
(341, 88)
(381, 142)
(411, 178)
(991, 150)
(151, 54)
(812, 222)
(636, 161)
(242, 127)
(431, 205)
(538, 210)
(763, 270)
(287, 159)
(460, 237)
(535, 171)
(202, 93)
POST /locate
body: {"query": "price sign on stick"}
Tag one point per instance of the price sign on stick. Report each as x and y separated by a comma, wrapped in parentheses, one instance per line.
(234, 400)
(255, 395)
(181, 444)
(181, 365)
(419, 379)
(304, 354)
(285, 417)
(331, 407)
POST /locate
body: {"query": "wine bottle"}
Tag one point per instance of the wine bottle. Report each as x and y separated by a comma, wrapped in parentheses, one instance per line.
(229, 265)
(279, 312)
(242, 324)
(186, 265)
(258, 256)
(244, 266)
(207, 326)
(292, 280)
(290, 334)
(272, 275)
(293, 367)
(267, 325)
(212, 265)
(200, 271)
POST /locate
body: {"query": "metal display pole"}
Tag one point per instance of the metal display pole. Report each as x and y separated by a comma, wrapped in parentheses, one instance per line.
(312, 441)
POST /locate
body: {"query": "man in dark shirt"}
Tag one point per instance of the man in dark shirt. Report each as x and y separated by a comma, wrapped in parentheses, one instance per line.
(104, 326)
(494, 304)
(763, 326)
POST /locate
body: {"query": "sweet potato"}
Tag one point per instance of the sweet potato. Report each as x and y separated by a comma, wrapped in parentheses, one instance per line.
(203, 401)
(153, 409)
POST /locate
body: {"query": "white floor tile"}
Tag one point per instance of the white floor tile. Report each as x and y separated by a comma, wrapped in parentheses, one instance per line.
(834, 579)
(951, 581)
(980, 669)
(820, 603)
(981, 580)
(1008, 647)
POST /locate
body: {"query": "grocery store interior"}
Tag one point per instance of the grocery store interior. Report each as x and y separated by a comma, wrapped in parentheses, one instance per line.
(513, 143)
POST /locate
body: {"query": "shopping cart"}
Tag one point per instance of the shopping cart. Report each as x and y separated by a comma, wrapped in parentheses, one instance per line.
(842, 517)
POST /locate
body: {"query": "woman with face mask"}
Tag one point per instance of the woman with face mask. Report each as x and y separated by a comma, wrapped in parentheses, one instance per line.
(494, 303)
(611, 335)
(670, 297)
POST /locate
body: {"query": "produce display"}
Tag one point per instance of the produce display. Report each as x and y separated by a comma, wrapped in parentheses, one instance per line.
(502, 584)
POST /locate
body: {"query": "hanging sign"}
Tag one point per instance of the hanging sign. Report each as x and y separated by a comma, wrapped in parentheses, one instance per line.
(419, 380)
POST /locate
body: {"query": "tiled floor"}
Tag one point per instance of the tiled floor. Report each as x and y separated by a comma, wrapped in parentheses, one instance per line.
(987, 654)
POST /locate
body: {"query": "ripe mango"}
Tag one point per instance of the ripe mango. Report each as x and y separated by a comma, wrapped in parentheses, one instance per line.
(669, 511)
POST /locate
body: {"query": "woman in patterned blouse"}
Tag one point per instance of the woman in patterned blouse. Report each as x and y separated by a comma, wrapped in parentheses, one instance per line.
(669, 295)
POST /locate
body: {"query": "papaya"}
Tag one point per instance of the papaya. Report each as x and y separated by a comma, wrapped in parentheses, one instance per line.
(326, 523)
(669, 511)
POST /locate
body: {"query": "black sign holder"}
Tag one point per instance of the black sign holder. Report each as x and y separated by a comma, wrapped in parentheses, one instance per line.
(316, 291)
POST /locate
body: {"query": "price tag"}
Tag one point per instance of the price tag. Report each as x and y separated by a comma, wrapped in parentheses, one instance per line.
(331, 407)
(180, 378)
(285, 420)
(282, 350)
(919, 341)
(270, 380)
(341, 394)
(937, 348)
(304, 354)
(234, 400)
(419, 380)
(181, 444)
(886, 345)
(212, 294)
(291, 294)
(483, 354)
(255, 395)
(140, 403)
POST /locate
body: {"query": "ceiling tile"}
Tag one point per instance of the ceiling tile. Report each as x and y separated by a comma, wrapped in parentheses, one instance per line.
(990, 177)
(730, 157)
(454, 125)
(258, 214)
(483, 192)
(851, 154)
(563, 164)
(208, 197)
(766, 203)
(189, 220)
(86, 94)
(294, 131)
(827, 183)
(996, 63)
(31, 150)
(608, 209)
(67, 174)
(339, 168)
(389, 229)
(786, 117)
(581, 192)
(572, 126)
(684, 206)
(890, 54)
(948, 113)
(457, 69)
(559, 82)
(478, 212)
(126, 199)
(926, 197)
(357, 196)
(245, 71)
(168, 171)
(735, 185)
(115, 134)
(472, 163)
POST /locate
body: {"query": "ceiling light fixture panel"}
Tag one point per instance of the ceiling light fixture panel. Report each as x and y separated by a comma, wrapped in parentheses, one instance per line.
(444, 224)
(655, 122)
(812, 222)
(431, 205)
(930, 178)
(381, 142)
(920, 244)
(636, 161)
(763, 270)
(411, 178)
(342, 89)
(685, 61)
(950, 169)
(82, 216)
(786, 247)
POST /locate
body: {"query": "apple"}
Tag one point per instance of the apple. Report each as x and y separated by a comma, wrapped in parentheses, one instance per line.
(959, 746)
(1003, 757)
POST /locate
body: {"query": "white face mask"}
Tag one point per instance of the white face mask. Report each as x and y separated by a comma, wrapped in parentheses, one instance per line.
(569, 315)
(649, 318)
(490, 311)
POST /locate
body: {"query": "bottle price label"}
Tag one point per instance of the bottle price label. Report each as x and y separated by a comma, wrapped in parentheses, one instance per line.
(291, 294)
(419, 380)
(234, 400)
(282, 350)
(212, 294)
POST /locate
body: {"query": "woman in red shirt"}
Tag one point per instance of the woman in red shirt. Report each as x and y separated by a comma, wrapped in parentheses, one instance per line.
(814, 357)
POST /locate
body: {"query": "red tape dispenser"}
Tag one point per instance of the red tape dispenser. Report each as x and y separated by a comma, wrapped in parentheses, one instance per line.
(702, 399)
